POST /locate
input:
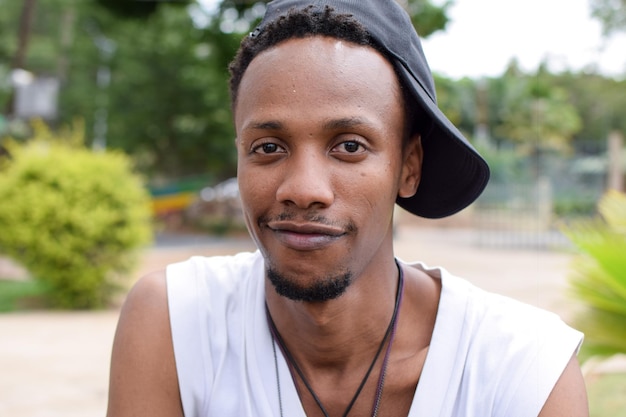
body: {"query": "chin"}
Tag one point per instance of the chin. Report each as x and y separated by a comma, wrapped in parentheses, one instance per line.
(318, 289)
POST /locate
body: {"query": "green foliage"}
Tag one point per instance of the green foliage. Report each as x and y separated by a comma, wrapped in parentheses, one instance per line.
(607, 395)
(574, 206)
(600, 102)
(506, 166)
(611, 13)
(132, 9)
(17, 295)
(599, 276)
(458, 101)
(167, 101)
(427, 17)
(531, 112)
(72, 217)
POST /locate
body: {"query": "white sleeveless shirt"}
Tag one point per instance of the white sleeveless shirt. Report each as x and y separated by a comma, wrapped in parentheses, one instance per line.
(489, 355)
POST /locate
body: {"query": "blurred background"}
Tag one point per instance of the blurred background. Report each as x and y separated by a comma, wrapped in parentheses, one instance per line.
(117, 157)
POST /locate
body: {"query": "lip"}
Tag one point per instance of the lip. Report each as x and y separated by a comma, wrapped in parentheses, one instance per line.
(305, 236)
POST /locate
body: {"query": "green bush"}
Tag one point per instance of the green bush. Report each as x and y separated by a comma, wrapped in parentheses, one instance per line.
(74, 218)
(575, 206)
(598, 277)
(507, 166)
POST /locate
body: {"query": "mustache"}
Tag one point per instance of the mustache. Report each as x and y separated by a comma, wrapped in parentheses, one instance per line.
(310, 217)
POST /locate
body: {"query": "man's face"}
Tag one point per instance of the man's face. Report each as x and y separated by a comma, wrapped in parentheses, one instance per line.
(319, 137)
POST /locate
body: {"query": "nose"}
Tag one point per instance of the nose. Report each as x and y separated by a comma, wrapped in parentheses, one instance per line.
(307, 182)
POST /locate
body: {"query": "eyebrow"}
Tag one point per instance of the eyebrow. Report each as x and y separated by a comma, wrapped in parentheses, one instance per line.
(267, 125)
(344, 123)
(332, 124)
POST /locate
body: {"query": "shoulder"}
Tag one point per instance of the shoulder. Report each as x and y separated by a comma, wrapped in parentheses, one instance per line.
(522, 350)
(504, 357)
(143, 376)
(220, 271)
(146, 302)
(569, 396)
(145, 309)
(202, 284)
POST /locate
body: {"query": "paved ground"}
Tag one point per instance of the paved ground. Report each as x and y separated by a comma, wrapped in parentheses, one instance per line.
(56, 364)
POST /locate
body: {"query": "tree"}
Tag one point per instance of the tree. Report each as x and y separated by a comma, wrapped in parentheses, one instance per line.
(533, 113)
(600, 102)
(169, 98)
(135, 9)
(166, 102)
(457, 99)
(23, 43)
(427, 17)
(611, 13)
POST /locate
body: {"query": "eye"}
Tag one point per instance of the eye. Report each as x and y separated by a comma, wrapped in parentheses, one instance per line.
(349, 146)
(267, 148)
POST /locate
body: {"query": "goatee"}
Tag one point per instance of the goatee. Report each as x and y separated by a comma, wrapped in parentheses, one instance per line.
(326, 289)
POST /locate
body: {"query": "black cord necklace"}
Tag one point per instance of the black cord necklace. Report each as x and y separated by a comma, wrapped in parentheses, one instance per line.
(391, 329)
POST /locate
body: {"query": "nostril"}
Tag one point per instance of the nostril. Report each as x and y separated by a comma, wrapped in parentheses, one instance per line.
(305, 190)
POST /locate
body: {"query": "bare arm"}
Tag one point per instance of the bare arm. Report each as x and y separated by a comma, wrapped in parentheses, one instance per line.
(569, 396)
(143, 380)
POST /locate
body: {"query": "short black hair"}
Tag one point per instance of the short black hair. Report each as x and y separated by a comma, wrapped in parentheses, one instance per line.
(309, 22)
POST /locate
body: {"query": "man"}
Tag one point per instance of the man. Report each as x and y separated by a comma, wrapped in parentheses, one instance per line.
(336, 121)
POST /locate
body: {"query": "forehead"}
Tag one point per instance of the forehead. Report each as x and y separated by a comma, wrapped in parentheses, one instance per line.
(318, 73)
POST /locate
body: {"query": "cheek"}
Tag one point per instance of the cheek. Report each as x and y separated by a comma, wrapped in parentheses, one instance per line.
(246, 186)
(251, 194)
(376, 190)
(257, 191)
(251, 202)
(382, 180)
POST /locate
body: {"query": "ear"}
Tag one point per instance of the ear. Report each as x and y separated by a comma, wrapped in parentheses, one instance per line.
(411, 167)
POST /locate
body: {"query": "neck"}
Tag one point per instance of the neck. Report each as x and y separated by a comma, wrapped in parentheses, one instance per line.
(341, 333)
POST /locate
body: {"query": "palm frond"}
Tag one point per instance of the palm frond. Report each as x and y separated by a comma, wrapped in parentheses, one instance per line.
(598, 276)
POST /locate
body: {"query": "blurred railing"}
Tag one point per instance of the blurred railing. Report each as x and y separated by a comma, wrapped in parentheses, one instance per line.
(518, 215)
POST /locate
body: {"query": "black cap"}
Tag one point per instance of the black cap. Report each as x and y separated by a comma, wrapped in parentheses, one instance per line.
(453, 173)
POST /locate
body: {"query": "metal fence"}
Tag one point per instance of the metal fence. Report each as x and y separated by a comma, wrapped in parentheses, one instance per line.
(528, 208)
(519, 215)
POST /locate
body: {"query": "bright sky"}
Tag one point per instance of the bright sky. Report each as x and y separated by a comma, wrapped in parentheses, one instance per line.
(484, 35)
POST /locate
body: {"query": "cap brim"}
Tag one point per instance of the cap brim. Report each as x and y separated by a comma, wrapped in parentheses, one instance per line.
(453, 173)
